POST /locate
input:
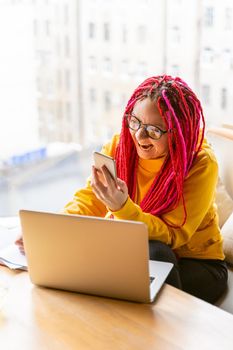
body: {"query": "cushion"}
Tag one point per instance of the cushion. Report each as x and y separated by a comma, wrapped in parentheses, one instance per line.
(224, 203)
(227, 233)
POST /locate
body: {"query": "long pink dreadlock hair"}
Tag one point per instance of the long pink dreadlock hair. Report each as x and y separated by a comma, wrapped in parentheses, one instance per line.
(182, 113)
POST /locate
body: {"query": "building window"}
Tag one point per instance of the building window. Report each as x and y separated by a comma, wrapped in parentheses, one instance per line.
(67, 79)
(124, 67)
(224, 98)
(207, 55)
(206, 94)
(92, 95)
(91, 30)
(141, 69)
(92, 63)
(50, 87)
(227, 57)
(175, 34)
(59, 110)
(141, 34)
(68, 112)
(107, 65)
(107, 101)
(67, 46)
(228, 18)
(106, 31)
(175, 70)
(124, 34)
(209, 17)
(66, 14)
(59, 79)
(35, 27)
(47, 27)
(39, 84)
(58, 46)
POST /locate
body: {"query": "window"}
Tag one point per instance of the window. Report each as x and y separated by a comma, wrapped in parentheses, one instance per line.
(92, 95)
(227, 57)
(209, 17)
(39, 85)
(175, 70)
(58, 46)
(67, 79)
(124, 34)
(35, 27)
(141, 69)
(106, 31)
(67, 46)
(92, 63)
(59, 79)
(50, 87)
(107, 65)
(207, 55)
(124, 69)
(228, 18)
(66, 14)
(68, 112)
(224, 98)
(59, 110)
(175, 34)
(206, 94)
(107, 101)
(141, 34)
(91, 30)
(47, 27)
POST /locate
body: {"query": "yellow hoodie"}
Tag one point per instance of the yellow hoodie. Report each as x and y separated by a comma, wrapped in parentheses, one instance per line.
(199, 237)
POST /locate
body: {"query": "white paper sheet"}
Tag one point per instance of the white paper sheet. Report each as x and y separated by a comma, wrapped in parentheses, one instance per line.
(9, 252)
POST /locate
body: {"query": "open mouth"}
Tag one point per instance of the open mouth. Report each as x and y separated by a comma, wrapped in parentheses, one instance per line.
(145, 147)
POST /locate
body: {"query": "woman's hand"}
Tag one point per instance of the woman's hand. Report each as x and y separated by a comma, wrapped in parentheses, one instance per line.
(113, 193)
(19, 243)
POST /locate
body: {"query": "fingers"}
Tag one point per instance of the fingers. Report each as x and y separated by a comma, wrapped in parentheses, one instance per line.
(113, 193)
(121, 185)
(108, 176)
(97, 185)
(102, 178)
(20, 245)
(19, 240)
(21, 249)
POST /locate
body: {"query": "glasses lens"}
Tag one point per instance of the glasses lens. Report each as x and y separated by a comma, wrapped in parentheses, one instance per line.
(133, 123)
(153, 132)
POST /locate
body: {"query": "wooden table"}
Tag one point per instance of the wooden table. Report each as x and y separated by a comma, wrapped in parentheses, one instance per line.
(38, 318)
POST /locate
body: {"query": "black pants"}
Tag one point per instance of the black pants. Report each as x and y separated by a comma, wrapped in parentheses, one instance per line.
(205, 279)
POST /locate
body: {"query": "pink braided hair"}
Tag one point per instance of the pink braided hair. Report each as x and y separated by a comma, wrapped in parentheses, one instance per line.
(183, 115)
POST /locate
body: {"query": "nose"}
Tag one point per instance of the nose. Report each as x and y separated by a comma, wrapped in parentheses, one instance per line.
(141, 133)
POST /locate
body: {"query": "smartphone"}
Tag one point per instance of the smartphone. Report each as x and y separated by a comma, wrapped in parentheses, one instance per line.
(101, 159)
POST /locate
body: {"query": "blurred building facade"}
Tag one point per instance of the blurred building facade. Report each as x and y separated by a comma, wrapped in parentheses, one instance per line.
(68, 68)
(90, 56)
(216, 61)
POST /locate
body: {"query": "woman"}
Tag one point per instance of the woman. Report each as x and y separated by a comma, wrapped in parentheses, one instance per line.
(167, 176)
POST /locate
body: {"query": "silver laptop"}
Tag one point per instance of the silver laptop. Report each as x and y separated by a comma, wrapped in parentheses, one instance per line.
(91, 255)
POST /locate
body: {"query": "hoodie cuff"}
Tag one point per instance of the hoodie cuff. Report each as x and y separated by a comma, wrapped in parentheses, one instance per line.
(129, 211)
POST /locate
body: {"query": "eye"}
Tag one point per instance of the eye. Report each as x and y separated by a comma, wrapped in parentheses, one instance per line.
(133, 122)
(154, 132)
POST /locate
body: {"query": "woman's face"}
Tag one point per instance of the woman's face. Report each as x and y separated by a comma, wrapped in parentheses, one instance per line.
(147, 148)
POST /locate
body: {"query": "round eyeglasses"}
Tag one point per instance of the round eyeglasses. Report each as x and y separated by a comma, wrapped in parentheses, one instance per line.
(152, 131)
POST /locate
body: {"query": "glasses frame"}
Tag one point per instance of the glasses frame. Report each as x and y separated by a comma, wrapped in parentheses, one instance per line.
(144, 126)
